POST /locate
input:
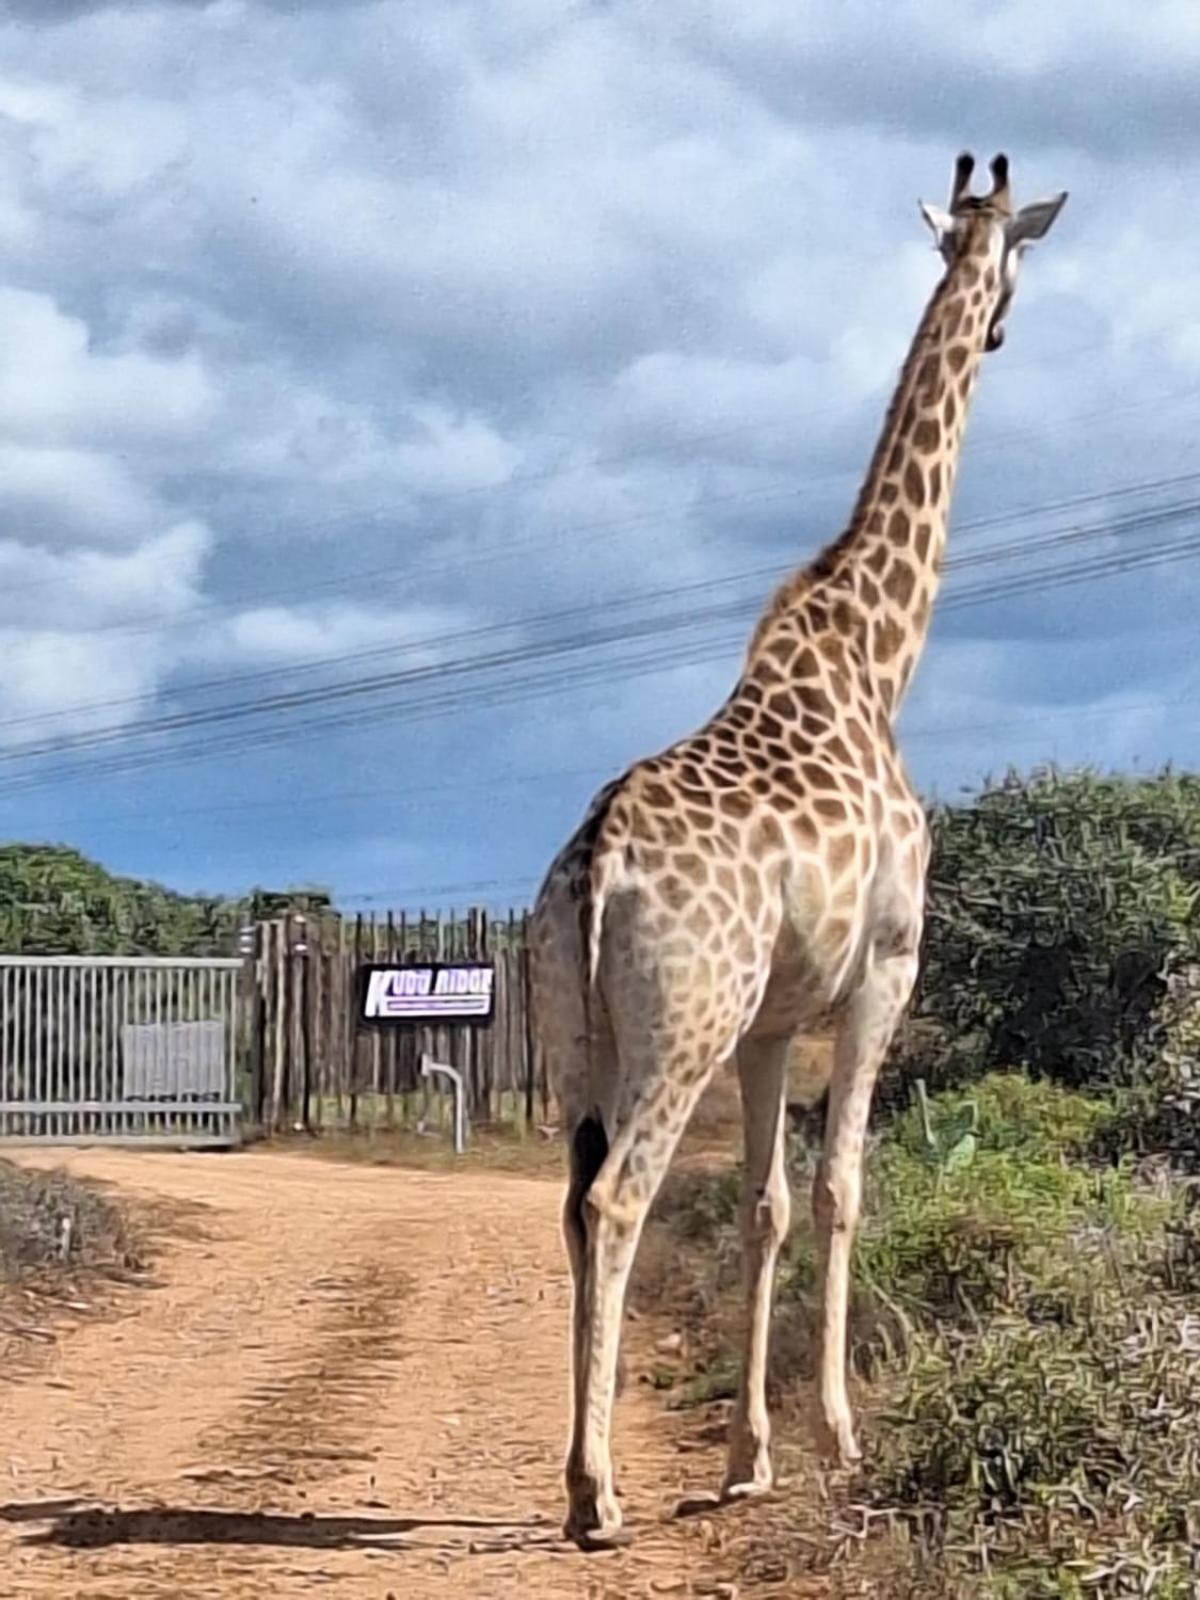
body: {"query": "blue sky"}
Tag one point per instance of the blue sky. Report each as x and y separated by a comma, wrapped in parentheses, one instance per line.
(361, 363)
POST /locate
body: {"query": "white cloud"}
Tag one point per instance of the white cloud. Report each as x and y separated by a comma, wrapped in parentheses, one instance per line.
(310, 438)
(89, 637)
(61, 496)
(274, 634)
(45, 671)
(326, 327)
(92, 152)
(56, 388)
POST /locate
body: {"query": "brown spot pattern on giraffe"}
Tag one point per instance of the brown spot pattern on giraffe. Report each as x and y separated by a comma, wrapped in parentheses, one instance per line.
(800, 762)
(926, 436)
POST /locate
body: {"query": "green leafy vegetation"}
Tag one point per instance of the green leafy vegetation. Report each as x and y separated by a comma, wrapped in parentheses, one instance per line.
(1037, 1427)
(54, 901)
(1062, 913)
(1025, 1326)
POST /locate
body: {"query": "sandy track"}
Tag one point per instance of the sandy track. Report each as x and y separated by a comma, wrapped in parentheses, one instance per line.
(350, 1380)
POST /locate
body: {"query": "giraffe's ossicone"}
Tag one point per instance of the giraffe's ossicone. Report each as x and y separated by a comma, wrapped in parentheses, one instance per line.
(765, 875)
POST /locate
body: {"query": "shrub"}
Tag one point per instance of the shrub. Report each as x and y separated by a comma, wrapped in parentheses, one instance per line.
(51, 1224)
(1060, 907)
(54, 901)
(969, 1213)
(1029, 1316)
(1039, 1436)
(1058, 1460)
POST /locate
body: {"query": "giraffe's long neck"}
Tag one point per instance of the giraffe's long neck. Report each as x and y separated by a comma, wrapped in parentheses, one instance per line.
(879, 579)
(890, 556)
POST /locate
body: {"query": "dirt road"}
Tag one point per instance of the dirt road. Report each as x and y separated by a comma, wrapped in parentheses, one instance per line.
(350, 1380)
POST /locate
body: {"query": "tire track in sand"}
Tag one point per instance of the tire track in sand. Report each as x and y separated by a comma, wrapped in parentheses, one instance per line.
(351, 1379)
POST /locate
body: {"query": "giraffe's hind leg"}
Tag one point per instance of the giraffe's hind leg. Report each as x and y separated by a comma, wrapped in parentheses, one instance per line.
(581, 1064)
(588, 1113)
(651, 1115)
(765, 1214)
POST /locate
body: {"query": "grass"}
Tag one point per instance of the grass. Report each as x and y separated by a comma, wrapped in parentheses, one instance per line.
(1026, 1330)
(55, 1230)
(415, 1130)
(492, 1149)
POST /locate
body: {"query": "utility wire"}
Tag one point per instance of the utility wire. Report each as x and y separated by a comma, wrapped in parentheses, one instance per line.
(652, 657)
(481, 553)
(969, 530)
(555, 645)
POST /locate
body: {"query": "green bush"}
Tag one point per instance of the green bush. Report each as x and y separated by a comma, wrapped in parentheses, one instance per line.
(1059, 909)
(54, 901)
(1059, 1460)
(1029, 1317)
(1040, 1430)
(972, 1214)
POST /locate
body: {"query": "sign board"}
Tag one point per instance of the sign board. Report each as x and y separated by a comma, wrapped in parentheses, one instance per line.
(427, 993)
(173, 1060)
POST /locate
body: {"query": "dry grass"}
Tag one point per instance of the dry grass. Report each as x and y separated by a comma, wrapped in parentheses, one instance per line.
(65, 1246)
(391, 1135)
(53, 1227)
(494, 1149)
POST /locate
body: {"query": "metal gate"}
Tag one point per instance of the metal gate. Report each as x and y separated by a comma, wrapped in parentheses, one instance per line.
(138, 1050)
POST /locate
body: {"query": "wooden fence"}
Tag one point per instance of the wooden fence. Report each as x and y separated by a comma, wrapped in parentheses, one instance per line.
(314, 1068)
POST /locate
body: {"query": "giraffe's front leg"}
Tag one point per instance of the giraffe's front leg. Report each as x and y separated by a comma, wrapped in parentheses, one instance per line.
(862, 1042)
(765, 1213)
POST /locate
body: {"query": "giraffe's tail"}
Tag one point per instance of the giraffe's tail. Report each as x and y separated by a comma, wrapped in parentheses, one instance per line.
(595, 897)
(598, 878)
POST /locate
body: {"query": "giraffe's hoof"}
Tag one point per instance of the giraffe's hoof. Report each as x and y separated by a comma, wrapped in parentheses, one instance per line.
(747, 1486)
(596, 1536)
(594, 1520)
(749, 1473)
(837, 1443)
(697, 1505)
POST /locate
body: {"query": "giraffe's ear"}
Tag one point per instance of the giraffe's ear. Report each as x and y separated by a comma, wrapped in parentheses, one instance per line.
(1034, 221)
(941, 223)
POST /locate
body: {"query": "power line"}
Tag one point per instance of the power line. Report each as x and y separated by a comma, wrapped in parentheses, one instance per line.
(652, 658)
(559, 644)
(485, 552)
(403, 795)
(772, 571)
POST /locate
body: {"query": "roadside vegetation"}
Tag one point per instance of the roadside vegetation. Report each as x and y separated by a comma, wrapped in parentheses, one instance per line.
(63, 1245)
(54, 901)
(1026, 1317)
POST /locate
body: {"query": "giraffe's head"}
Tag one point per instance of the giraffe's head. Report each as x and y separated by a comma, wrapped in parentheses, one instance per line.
(987, 227)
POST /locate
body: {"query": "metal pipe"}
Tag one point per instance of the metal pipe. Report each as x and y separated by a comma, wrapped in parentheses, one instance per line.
(428, 1067)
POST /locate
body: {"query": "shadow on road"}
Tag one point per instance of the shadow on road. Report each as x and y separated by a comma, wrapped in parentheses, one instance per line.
(77, 1526)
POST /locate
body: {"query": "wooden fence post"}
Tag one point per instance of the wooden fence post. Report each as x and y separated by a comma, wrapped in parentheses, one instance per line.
(279, 941)
(527, 1041)
(308, 1054)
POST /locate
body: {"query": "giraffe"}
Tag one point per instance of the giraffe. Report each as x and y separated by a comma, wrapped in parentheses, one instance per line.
(762, 876)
